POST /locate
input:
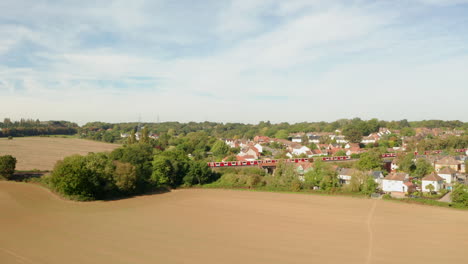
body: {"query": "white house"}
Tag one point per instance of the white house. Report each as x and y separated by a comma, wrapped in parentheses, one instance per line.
(296, 139)
(231, 143)
(249, 151)
(448, 174)
(368, 140)
(345, 175)
(395, 182)
(259, 147)
(378, 177)
(394, 165)
(300, 150)
(341, 139)
(435, 180)
(314, 138)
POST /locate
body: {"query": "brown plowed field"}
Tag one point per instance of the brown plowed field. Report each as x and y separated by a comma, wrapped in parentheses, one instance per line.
(222, 226)
(43, 152)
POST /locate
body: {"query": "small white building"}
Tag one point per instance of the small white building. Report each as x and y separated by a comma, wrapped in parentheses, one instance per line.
(296, 139)
(345, 175)
(448, 174)
(395, 182)
(300, 150)
(435, 180)
(259, 147)
(377, 176)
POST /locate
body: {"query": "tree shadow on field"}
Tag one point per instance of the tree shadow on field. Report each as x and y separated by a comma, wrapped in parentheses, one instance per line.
(26, 176)
(129, 196)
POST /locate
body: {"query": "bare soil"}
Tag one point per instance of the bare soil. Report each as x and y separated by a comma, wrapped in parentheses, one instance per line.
(222, 226)
(42, 153)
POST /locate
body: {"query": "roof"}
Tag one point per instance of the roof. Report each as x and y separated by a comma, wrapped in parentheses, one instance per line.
(397, 176)
(245, 158)
(432, 177)
(345, 171)
(447, 170)
(448, 161)
(304, 165)
(375, 174)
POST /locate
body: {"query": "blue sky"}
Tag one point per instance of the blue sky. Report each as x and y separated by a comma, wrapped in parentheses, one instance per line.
(234, 61)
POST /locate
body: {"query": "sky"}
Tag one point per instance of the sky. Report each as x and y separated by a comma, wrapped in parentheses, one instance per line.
(233, 61)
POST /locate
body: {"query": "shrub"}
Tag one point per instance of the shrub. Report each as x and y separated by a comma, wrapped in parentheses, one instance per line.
(125, 177)
(7, 166)
(387, 196)
(460, 195)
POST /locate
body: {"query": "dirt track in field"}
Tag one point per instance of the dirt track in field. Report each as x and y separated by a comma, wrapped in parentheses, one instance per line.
(43, 152)
(222, 226)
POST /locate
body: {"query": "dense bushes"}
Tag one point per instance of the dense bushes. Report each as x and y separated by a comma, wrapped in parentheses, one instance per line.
(7, 166)
(132, 169)
(460, 195)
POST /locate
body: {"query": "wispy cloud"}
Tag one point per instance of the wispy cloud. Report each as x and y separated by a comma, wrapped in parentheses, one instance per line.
(273, 58)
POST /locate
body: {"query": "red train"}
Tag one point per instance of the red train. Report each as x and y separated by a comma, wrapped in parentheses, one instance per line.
(274, 161)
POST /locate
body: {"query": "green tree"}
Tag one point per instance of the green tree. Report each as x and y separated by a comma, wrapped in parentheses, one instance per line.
(405, 163)
(430, 187)
(370, 160)
(144, 135)
(170, 167)
(353, 134)
(340, 153)
(125, 177)
(220, 149)
(282, 134)
(407, 132)
(132, 138)
(423, 167)
(7, 166)
(198, 173)
(460, 195)
(72, 177)
(369, 186)
(140, 156)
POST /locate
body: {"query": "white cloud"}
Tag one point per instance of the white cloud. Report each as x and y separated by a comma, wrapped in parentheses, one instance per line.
(312, 53)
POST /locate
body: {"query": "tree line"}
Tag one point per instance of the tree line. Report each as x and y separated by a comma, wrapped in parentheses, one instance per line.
(29, 127)
(354, 129)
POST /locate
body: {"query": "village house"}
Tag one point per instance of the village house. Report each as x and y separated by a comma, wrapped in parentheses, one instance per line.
(371, 139)
(395, 182)
(449, 162)
(394, 165)
(345, 175)
(313, 138)
(378, 177)
(249, 151)
(302, 168)
(435, 180)
(448, 174)
(232, 143)
(154, 136)
(259, 148)
(262, 139)
(352, 148)
(339, 139)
